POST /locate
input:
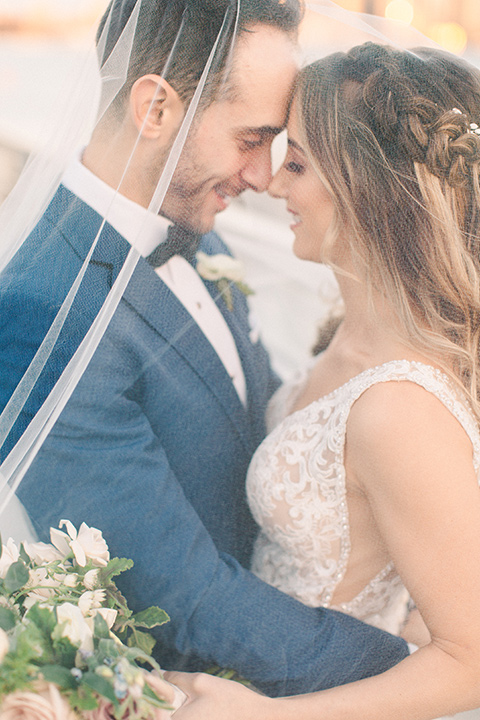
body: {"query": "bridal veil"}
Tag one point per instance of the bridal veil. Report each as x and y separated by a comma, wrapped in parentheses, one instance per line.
(197, 39)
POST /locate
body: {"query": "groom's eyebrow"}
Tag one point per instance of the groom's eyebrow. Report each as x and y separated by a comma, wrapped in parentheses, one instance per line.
(263, 130)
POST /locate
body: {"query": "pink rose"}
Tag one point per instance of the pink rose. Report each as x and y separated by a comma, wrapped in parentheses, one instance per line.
(45, 703)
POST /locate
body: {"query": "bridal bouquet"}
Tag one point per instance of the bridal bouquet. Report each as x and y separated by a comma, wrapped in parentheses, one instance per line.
(70, 648)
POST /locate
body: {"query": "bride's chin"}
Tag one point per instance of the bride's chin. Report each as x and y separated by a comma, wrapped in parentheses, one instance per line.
(303, 253)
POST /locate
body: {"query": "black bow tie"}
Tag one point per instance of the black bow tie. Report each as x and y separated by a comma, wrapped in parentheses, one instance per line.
(179, 242)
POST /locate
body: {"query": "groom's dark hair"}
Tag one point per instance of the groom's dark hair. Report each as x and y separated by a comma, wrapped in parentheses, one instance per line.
(174, 38)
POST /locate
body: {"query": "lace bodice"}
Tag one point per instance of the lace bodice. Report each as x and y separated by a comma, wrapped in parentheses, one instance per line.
(297, 493)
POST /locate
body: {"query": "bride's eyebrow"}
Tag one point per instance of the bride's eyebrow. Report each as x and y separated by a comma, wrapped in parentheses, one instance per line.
(295, 145)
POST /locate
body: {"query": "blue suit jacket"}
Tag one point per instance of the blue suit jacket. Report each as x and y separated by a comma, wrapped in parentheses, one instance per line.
(153, 448)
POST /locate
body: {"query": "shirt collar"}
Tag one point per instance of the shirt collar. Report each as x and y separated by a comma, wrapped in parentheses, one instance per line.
(143, 229)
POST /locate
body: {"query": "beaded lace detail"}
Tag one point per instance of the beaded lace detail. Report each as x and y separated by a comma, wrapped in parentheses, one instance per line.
(297, 493)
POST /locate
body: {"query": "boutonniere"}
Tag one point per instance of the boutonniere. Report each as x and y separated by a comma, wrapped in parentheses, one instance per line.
(223, 270)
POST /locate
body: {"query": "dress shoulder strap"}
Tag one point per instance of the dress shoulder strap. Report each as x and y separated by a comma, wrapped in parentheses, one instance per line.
(431, 379)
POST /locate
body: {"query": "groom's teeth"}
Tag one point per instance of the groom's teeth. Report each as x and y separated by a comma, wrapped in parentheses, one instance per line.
(226, 198)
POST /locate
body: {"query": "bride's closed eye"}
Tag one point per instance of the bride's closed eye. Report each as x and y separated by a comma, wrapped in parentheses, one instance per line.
(294, 167)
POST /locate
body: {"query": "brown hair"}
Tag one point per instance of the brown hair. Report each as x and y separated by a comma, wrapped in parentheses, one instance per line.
(392, 134)
(174, 38)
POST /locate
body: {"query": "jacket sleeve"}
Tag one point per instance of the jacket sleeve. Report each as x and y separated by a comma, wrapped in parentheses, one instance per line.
(104, 465)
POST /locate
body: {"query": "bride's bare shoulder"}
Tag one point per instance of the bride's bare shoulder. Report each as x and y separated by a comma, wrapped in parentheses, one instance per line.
(400, 424)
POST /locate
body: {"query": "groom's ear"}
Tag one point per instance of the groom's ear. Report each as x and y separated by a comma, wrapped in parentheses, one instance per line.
(156, 108)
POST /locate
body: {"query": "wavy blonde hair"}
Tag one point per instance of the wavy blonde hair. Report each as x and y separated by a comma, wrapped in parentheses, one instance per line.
(391, 134)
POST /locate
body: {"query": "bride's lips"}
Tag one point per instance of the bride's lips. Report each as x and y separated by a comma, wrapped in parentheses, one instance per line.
(296, 219)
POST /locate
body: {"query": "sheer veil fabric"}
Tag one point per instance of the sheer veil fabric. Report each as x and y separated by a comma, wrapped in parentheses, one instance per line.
(31, 405)
(93, 107)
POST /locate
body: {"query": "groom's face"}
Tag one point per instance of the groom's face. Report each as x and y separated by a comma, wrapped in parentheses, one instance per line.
(230, 147)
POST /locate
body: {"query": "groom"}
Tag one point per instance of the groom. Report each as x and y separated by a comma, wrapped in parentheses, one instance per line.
(154, 443)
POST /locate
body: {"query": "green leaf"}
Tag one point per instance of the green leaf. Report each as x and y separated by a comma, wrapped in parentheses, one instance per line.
(17, 576)
(114, 567)
(245, 289)
(143, 641)
(64, 651)
(100, 685)
(225, 290)
(43, 618)
(24, 555)
(59, 675)
(7, 619)
(134, 654)
(100, 627)
(83, 699)
(151, 617)
(107, 649)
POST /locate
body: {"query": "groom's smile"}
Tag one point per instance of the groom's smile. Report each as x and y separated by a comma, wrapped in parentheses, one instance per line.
(229, 149)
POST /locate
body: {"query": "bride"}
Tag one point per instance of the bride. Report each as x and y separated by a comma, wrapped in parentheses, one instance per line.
(366, 490)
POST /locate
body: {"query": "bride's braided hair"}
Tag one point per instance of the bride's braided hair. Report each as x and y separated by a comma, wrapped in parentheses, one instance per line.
(393, 135)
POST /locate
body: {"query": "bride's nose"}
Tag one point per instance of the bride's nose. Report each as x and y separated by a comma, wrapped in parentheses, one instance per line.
(277, 186)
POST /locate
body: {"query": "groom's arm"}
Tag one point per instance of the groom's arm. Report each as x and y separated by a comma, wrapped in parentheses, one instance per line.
(103, 464)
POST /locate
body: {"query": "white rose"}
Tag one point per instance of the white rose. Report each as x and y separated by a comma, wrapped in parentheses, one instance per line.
(75, 627)
(216, 267)
(90, 600)
(92, 545)
(87, 544)
(41, 552)
(4, 644)
(61, 541)
(10, 554)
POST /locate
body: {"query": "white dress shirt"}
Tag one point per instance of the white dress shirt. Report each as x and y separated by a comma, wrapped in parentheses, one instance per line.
(144, 231)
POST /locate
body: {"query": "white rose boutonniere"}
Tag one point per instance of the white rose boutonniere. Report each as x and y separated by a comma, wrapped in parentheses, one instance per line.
(223, 270)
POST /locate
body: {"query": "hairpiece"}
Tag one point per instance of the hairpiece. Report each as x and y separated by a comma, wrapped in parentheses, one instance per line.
(473, 127)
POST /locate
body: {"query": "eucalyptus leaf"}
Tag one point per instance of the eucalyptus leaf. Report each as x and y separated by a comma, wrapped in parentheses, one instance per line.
(59, 675)
(24, 555)
(83, 699)
(7, 619)
(151, 617)
(100, 627)
(64, 651)
(43, 618)
(17, 576)
(100, 685)
(108, 648)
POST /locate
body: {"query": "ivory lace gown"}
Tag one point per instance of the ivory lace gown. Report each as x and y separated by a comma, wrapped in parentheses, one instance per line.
(297, 493)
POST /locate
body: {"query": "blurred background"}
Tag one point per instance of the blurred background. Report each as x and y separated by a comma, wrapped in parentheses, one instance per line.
(43, 44)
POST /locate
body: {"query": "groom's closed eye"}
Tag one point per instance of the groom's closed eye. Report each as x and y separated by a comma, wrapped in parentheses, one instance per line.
(251, 139)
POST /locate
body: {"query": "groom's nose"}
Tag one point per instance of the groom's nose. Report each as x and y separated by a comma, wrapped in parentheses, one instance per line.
(257, 173)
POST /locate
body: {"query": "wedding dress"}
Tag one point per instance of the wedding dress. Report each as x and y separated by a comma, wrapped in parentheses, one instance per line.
(297, 493)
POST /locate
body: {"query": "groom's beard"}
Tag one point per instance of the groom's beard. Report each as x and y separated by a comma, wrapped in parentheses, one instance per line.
(196, 194)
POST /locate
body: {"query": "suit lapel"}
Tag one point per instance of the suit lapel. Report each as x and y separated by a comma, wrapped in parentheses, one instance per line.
(148, 295)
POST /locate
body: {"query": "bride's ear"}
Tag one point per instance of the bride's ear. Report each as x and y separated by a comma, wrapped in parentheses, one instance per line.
(156, 108)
